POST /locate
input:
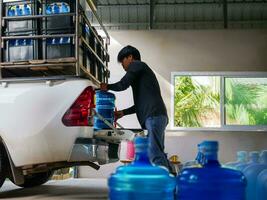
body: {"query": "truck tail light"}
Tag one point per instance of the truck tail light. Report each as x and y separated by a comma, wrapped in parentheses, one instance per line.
(79, 112)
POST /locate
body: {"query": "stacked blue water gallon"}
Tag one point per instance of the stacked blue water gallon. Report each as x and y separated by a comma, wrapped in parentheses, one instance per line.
(58, 8)
(211, 181)
(19, 49)
(241, 160)
(261, 186)
(141, 180)
(253, 159)
(251, 172)
(105, 106)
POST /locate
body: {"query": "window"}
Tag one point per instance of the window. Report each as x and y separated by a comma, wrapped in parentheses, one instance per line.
(235, 101)
(246, 101)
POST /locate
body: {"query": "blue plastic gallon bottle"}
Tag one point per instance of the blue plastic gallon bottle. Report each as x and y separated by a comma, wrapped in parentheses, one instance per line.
(198, 160)
(55, 8)
(26, 10)
(261, 186)
(49, 10)
(241, 159)
(262, 156)
(65, 8)
(251, 172)
(18, 11)
(253, 159)
(141, 180)
(11, 43)
(19, 42)
(11, 11)
(211, 182)
(64, 40)
(105, 106)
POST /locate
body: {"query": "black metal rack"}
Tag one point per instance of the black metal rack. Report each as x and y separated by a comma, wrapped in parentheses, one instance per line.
(86, 60)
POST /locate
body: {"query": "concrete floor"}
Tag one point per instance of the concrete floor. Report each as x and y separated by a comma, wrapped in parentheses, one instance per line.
(56, 190)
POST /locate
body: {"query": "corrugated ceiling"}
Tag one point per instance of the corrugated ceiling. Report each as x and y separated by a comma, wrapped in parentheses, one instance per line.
(183, 14)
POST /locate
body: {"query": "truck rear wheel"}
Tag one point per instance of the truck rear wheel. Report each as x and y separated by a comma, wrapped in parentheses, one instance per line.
(3, 166)
(37, 179)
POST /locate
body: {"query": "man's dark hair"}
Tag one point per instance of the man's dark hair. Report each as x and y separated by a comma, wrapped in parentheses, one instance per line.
(129, 50)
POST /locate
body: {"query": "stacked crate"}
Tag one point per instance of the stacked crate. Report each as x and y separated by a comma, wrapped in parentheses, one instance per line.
(23, 48)
(59, 24)
(96, 66)
(51, 35)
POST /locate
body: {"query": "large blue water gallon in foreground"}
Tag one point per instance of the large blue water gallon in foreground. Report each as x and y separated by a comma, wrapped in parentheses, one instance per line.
(141, 180)
(211, 182)
(261, 186)
(251, 173)
(105, 106)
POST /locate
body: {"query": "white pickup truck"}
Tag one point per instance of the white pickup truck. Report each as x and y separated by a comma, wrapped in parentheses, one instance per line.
(46, 103)
(45, 125)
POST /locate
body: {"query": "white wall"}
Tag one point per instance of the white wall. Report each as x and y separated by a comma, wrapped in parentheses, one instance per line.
(170, 51)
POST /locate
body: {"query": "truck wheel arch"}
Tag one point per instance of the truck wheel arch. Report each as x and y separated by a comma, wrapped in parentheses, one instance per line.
(16, 174)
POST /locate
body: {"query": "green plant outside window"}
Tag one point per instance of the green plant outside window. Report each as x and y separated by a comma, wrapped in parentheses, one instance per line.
(197, 101)
(246, 101)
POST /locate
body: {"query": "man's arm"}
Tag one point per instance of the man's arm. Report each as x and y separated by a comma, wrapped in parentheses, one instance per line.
(129, 111)
(131, 75)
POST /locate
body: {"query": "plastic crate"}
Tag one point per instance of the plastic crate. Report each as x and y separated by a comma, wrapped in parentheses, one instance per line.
(19, 9)
(59, 22)
(21, 50)
(54, 48)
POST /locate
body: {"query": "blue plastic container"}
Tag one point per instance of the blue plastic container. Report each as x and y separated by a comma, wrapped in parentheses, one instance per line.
(241, 159)
(253, 159)
(211, 181)
(18, 11)
(55, 8)
(251, 172)
(26, 10)
(141, 180)
(261, 186)
(11, 12)
(198, 160)
(65, 8)
(105, 105)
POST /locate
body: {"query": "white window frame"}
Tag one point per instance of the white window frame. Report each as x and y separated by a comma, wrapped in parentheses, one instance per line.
(223, 75)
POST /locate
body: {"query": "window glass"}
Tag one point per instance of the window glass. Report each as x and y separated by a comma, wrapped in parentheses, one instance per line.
(197, 101)
(246, 101)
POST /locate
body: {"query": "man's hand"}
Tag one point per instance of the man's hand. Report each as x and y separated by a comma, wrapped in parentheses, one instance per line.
(104, 86)
(118, 114)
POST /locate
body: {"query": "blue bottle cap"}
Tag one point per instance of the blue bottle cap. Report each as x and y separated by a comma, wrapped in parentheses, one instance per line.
(209, 145)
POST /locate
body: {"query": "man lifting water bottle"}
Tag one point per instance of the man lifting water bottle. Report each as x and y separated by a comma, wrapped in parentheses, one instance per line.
(148, 103)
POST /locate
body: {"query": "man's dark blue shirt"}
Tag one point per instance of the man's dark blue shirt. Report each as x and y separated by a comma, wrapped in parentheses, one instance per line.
(146, 92)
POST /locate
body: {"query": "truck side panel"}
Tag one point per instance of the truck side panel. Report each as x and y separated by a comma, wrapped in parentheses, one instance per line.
(30, 120)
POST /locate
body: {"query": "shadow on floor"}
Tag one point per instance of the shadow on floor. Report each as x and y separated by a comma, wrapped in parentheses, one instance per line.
(67, 189)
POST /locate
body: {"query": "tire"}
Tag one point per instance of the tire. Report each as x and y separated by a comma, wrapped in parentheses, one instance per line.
(3, 166)
(37, 179)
